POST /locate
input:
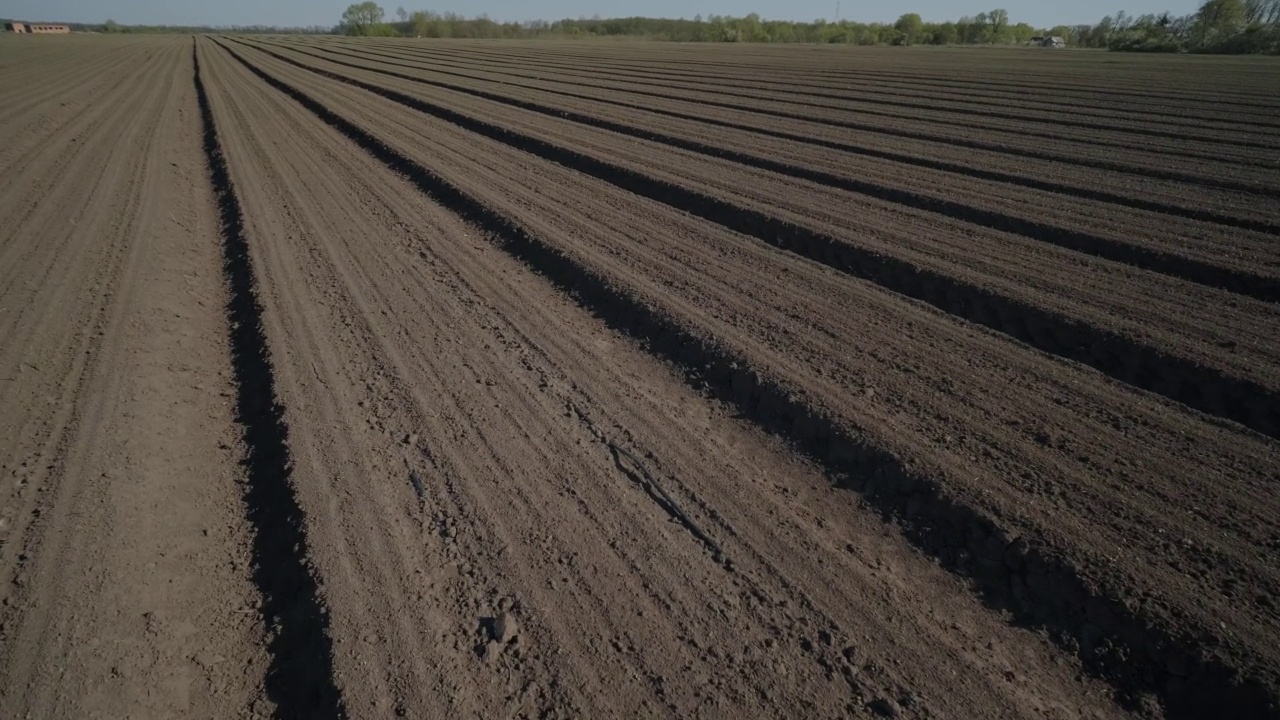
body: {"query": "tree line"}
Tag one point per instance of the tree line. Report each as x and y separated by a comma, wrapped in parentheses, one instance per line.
(368, 18)
(1218, 26)
(1225, 26)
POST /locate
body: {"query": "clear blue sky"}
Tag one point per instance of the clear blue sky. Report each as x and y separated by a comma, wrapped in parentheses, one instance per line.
(1042, 13)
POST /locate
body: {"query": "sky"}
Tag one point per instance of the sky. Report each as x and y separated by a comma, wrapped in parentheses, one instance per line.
(1041, 13)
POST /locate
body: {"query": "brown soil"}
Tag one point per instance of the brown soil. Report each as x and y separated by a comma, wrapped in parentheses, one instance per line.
(369, 379)
(124, 548)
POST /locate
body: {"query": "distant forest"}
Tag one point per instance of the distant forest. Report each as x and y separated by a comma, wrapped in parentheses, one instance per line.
(1219, 26)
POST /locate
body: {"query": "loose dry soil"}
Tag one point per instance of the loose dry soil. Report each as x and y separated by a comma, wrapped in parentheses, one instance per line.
(347, 378)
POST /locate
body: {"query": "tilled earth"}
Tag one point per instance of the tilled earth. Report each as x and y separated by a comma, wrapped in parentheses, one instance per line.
(347, 378)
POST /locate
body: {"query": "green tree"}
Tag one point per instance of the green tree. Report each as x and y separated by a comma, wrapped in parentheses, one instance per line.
(997, 21)
(1063, 32)
(420, 24)
(945, 34)
(1102, 33)
(1020, 33)
(1264, 12)
(751, 30)
(362, 18)
(973, 30)
(911, 27)
(1220, 18)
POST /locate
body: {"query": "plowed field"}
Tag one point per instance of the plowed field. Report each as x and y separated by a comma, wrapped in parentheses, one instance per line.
(376, 378)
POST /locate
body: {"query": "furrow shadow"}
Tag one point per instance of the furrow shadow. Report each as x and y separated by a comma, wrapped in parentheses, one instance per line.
(1137, 653)
(1019, 181)
(744, 92)
(1142, 366)
(300, 675)
(670, 67)
(1262, 288)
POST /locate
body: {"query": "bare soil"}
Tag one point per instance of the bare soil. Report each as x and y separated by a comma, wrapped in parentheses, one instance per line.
(124, 543)
(386, 378)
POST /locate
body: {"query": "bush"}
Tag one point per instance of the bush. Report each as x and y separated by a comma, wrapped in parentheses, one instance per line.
(1261, 39)
(380, 30)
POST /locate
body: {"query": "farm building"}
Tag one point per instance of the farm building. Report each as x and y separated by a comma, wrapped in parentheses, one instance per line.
(38, 28)
(1050, 42)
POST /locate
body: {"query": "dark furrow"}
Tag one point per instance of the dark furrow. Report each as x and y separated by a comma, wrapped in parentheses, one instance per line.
(1183, 132)
(1020, 181)
(805, 100)
(1007, 97)
(713, 71)
(1263, 288)
(898, 87)
(300, 677)
(1130, 649)
(1033, 84)
(1179, 379)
